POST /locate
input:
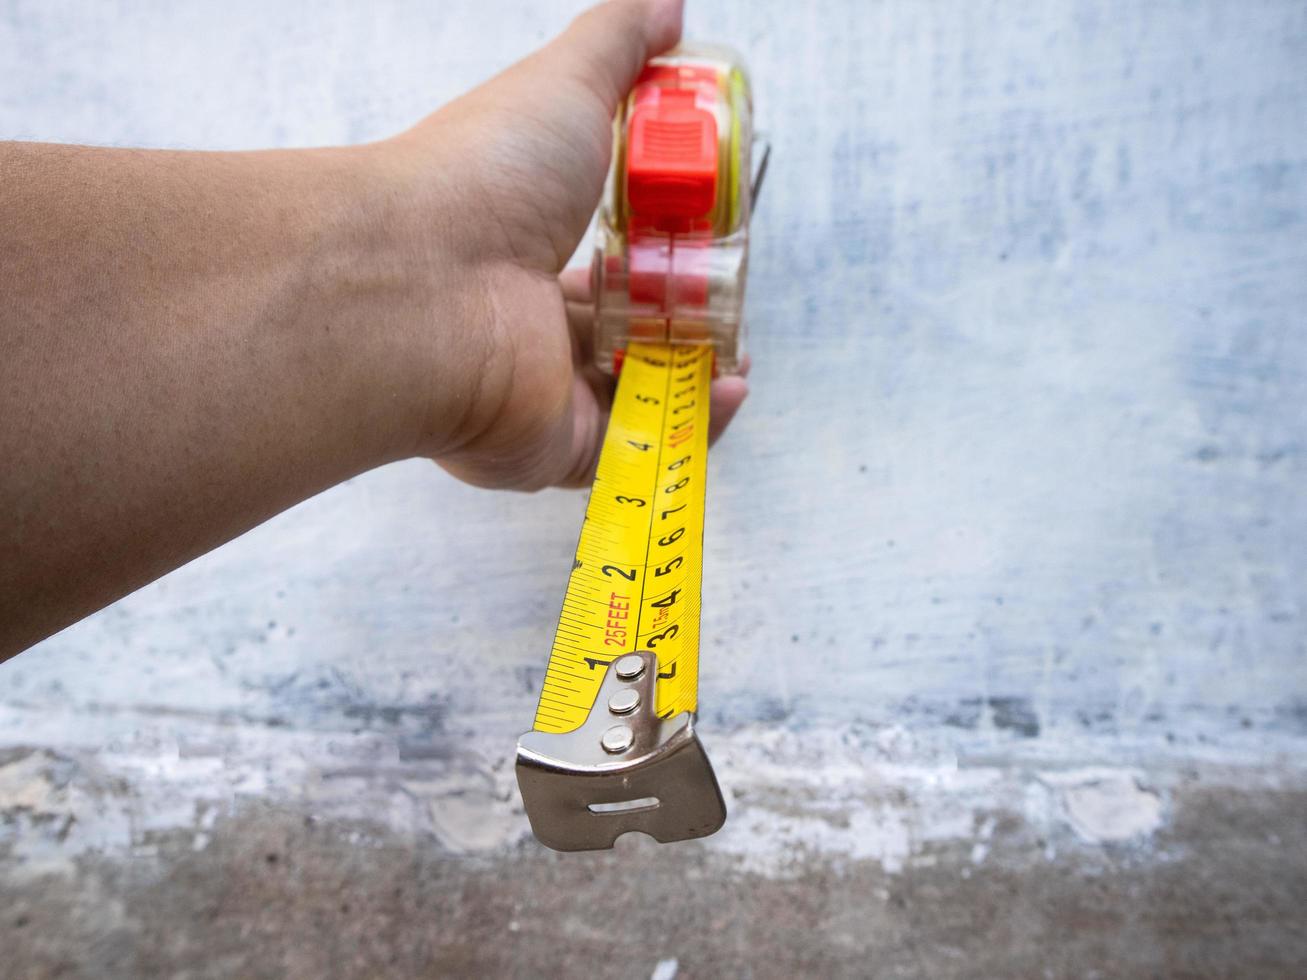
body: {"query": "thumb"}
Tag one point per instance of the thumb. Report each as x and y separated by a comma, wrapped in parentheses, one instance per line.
(606, 47)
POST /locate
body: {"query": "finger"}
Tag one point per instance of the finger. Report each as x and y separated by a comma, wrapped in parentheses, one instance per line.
(608, 45)
(724, 399)
(591, 402)
(575, 284)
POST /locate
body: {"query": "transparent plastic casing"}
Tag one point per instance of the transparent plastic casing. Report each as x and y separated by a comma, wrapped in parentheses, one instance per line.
(673, 229)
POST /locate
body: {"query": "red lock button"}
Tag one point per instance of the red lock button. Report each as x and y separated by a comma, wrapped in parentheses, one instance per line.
(671, 159)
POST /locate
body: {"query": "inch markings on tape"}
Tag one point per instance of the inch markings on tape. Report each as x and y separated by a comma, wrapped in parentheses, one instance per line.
(637, 576)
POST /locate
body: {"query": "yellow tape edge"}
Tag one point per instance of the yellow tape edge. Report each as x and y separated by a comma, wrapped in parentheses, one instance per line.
(637, 575)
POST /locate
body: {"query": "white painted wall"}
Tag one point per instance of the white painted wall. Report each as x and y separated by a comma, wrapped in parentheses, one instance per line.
(1022, 474)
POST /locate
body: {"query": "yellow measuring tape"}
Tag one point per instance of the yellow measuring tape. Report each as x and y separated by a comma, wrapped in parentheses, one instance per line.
(637, 575)
(614, 748)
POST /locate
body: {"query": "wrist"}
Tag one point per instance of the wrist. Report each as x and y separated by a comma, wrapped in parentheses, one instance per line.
(394, 295)
(449, 364)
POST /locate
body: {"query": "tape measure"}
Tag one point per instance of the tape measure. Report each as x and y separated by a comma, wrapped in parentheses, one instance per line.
(614, 748)
(638, 569)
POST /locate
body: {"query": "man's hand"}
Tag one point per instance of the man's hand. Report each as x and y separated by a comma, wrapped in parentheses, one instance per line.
(516, 169)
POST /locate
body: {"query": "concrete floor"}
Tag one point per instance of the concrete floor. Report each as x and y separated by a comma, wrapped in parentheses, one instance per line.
(1218, 890)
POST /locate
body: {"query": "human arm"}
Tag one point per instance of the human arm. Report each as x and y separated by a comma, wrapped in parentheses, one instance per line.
(192, 342)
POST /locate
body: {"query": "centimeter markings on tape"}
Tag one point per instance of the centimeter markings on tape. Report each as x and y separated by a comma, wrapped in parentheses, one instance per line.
(638, 571)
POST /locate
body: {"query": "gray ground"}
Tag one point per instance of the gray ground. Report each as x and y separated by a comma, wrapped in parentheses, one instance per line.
(1220, 892)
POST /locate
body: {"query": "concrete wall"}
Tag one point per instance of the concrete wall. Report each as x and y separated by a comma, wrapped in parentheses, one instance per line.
(1012, 524)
